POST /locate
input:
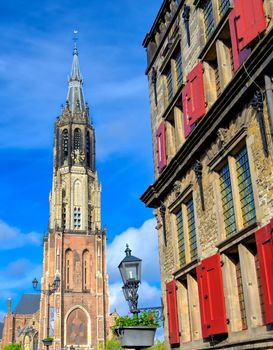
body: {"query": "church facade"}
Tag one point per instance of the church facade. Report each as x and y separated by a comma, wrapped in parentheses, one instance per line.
(76, 314)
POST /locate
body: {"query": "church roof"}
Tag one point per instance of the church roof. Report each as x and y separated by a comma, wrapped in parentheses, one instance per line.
(28, 304)
(75, 83)
(1, 329)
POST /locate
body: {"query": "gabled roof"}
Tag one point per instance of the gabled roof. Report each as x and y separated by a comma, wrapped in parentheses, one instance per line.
(28, 304)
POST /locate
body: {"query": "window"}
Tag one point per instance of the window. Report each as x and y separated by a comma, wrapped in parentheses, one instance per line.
(245, 187)
(235, 182)
(224, 5)
(85, 270)
(227, 200)
(65, 144)
(64, 216)
(77, 139)
(178, 68)
(89, 217)
(68, 269)
(169, 83)
(186, 232)
(181, 238)
(77, 217)
(208, 18)
(88, 148)
(191, 228)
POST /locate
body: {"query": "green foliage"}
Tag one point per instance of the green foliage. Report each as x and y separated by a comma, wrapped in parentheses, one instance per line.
(112, 344)
(148, 319)
(48, 339)
(13, 346)
(159, 345)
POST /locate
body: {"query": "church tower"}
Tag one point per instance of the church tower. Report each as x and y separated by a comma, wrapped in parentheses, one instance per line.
(75, 247)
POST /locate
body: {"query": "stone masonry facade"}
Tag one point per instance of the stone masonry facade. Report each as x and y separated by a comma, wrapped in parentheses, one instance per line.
(210, 68)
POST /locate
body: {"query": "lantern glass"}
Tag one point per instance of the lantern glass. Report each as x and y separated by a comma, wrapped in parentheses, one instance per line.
(57, 282)
(35, 283)
(130, 267)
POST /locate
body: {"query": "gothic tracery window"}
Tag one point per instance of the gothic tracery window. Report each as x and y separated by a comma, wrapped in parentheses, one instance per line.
(76, 327)
(77, 139)
(88, 148)
(65, 144)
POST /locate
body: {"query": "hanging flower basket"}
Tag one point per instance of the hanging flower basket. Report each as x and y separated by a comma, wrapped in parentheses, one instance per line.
(136, 336)
(47, 341)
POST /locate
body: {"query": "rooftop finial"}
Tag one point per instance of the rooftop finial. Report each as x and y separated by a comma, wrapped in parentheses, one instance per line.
(75, 39)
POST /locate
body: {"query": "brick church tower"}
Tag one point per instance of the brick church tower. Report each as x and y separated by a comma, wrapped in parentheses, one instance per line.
(75, 248)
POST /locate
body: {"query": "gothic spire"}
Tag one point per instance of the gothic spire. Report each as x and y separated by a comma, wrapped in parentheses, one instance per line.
(75, 83)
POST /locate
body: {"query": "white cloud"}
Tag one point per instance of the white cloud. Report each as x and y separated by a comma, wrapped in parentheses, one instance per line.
(148, 296)
(18, 274)
(144, 244)
(12, 237)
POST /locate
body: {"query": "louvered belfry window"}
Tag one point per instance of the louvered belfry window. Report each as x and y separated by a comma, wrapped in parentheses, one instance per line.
(65, 143)
(77, 139)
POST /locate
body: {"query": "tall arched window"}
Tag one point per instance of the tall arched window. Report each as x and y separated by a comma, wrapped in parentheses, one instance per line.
(85, 270)
(88, 148)
(68, 269)
(76, 327)
(77, 139)
(64, 145)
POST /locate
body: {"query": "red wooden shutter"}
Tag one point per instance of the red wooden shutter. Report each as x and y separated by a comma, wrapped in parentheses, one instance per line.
(264, 241)
(186, 109)
(211, 296)
(172, 313)
(238, 56)
(250, 18)
(161, 147)
(197, 94)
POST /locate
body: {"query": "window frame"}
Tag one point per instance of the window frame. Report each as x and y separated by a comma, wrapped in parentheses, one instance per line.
(229, 158)
(181, 204)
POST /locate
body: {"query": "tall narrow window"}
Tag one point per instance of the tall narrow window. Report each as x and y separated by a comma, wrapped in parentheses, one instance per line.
(245, 187)
(64, 216)
(77, 139)
(208, 18)
(181, 238)
(191, 228)
(169, 81)
(178, 67)
(89, 217)
(68, 269)
(227, 200)
(77, 217)
(65, 144)
(85, 270)
(88, 148)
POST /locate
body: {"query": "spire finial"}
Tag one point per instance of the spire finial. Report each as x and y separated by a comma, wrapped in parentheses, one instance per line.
(75, 39)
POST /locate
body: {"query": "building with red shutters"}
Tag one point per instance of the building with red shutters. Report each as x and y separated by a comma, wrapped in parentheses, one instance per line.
(210, 69)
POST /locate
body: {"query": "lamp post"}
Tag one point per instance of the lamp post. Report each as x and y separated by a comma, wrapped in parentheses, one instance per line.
(51, 289)
(130, 270)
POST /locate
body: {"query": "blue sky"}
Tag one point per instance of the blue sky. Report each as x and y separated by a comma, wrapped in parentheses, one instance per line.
(35, 60)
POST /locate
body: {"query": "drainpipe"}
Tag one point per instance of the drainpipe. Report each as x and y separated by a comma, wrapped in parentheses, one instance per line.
(269, 100)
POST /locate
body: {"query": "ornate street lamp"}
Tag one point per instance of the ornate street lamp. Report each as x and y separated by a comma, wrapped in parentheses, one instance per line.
(51, 289)
(130, 270)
